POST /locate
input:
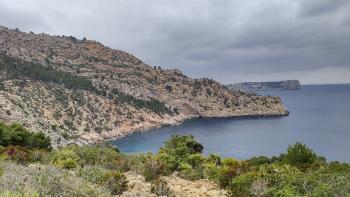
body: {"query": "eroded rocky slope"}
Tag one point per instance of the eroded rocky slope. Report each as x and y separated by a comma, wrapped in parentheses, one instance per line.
(80, 91)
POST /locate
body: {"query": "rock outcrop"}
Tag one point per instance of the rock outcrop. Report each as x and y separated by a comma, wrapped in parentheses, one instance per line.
(82, 92)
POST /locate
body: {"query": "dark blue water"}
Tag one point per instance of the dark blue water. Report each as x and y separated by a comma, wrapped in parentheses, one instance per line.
(319, 117)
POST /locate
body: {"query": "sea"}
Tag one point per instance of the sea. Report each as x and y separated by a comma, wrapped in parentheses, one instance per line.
(319, 117)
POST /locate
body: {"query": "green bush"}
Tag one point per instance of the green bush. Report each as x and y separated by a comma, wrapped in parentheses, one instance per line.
(229, 169)
(213, 158)
(152, 167)
(7, 193)
(242, 185)
(181, 146)
(66, 159)
(193, 167)
(115, 181)
(178, 149)
(300, 155)
(186, 171)
(169, 162)
(47, 180)
(17, 153)
(107, 157)
(256, 161)
(195, 160)
(17, 135)
(39, 155)
(211, 167)
(299, 172)
(160, 188)
(2, 149)
(93, 174)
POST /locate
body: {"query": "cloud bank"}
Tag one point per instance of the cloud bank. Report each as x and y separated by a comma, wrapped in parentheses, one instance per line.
(228, 40)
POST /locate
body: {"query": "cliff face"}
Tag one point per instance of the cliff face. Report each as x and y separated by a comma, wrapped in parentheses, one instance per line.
(79, 91)
(263, 86)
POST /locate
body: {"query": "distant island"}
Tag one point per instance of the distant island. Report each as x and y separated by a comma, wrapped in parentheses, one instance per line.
(264, 86)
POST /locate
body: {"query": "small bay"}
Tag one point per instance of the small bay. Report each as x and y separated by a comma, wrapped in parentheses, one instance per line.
(319, 117)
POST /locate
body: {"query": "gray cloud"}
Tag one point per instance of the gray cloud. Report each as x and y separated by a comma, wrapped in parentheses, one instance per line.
(228, 40)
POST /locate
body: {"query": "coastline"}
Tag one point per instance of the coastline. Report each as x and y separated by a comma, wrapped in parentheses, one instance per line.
(149, 129)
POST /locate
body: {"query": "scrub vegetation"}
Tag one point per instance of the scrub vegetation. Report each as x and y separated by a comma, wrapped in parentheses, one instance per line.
(32, 168)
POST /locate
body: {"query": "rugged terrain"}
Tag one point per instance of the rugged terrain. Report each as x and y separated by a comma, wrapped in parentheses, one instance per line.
(263, 86)
(80, 91)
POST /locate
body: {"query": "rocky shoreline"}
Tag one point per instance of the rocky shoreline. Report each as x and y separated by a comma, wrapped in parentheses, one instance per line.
(104, 138)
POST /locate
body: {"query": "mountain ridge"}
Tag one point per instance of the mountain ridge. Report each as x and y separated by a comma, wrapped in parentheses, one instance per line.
(82, 92)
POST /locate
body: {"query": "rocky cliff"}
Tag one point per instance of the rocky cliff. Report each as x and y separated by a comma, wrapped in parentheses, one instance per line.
(80, 91)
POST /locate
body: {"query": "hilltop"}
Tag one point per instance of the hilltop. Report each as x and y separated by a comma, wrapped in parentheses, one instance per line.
(82, 92)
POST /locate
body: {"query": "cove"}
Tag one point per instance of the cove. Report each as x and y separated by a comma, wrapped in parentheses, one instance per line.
(319, 117)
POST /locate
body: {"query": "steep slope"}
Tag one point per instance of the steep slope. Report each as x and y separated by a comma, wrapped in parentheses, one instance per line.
(79, 91)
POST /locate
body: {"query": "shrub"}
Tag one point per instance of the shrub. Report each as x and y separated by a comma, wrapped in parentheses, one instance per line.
(286, 180)
(65, 158)
(299, 155)
(39, 155)
(2, 149)
(211, 171)
(17, 153)
(160, 188)
(169, 162)
(213, 158)
(17, 135)
(192, 168)
(242, 185)
(212, 167)
(229, 169)
(186, 171)
(115, 181)
(106, 156)
(338, 167)
(47, 181)
(152, 167)
(93, 174)
(180, 148)
(256, 161)
(7, 193)
(195, 160)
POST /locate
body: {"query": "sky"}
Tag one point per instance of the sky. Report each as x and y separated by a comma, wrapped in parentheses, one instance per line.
(227, 40)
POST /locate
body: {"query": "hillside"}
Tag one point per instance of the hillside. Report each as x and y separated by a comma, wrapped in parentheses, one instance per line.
(82, 92)
(264, 86)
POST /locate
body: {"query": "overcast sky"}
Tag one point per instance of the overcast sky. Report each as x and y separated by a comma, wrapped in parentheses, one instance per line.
(228, 40)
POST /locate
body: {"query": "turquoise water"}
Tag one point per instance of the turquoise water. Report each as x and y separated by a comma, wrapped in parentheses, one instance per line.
(319, 117)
